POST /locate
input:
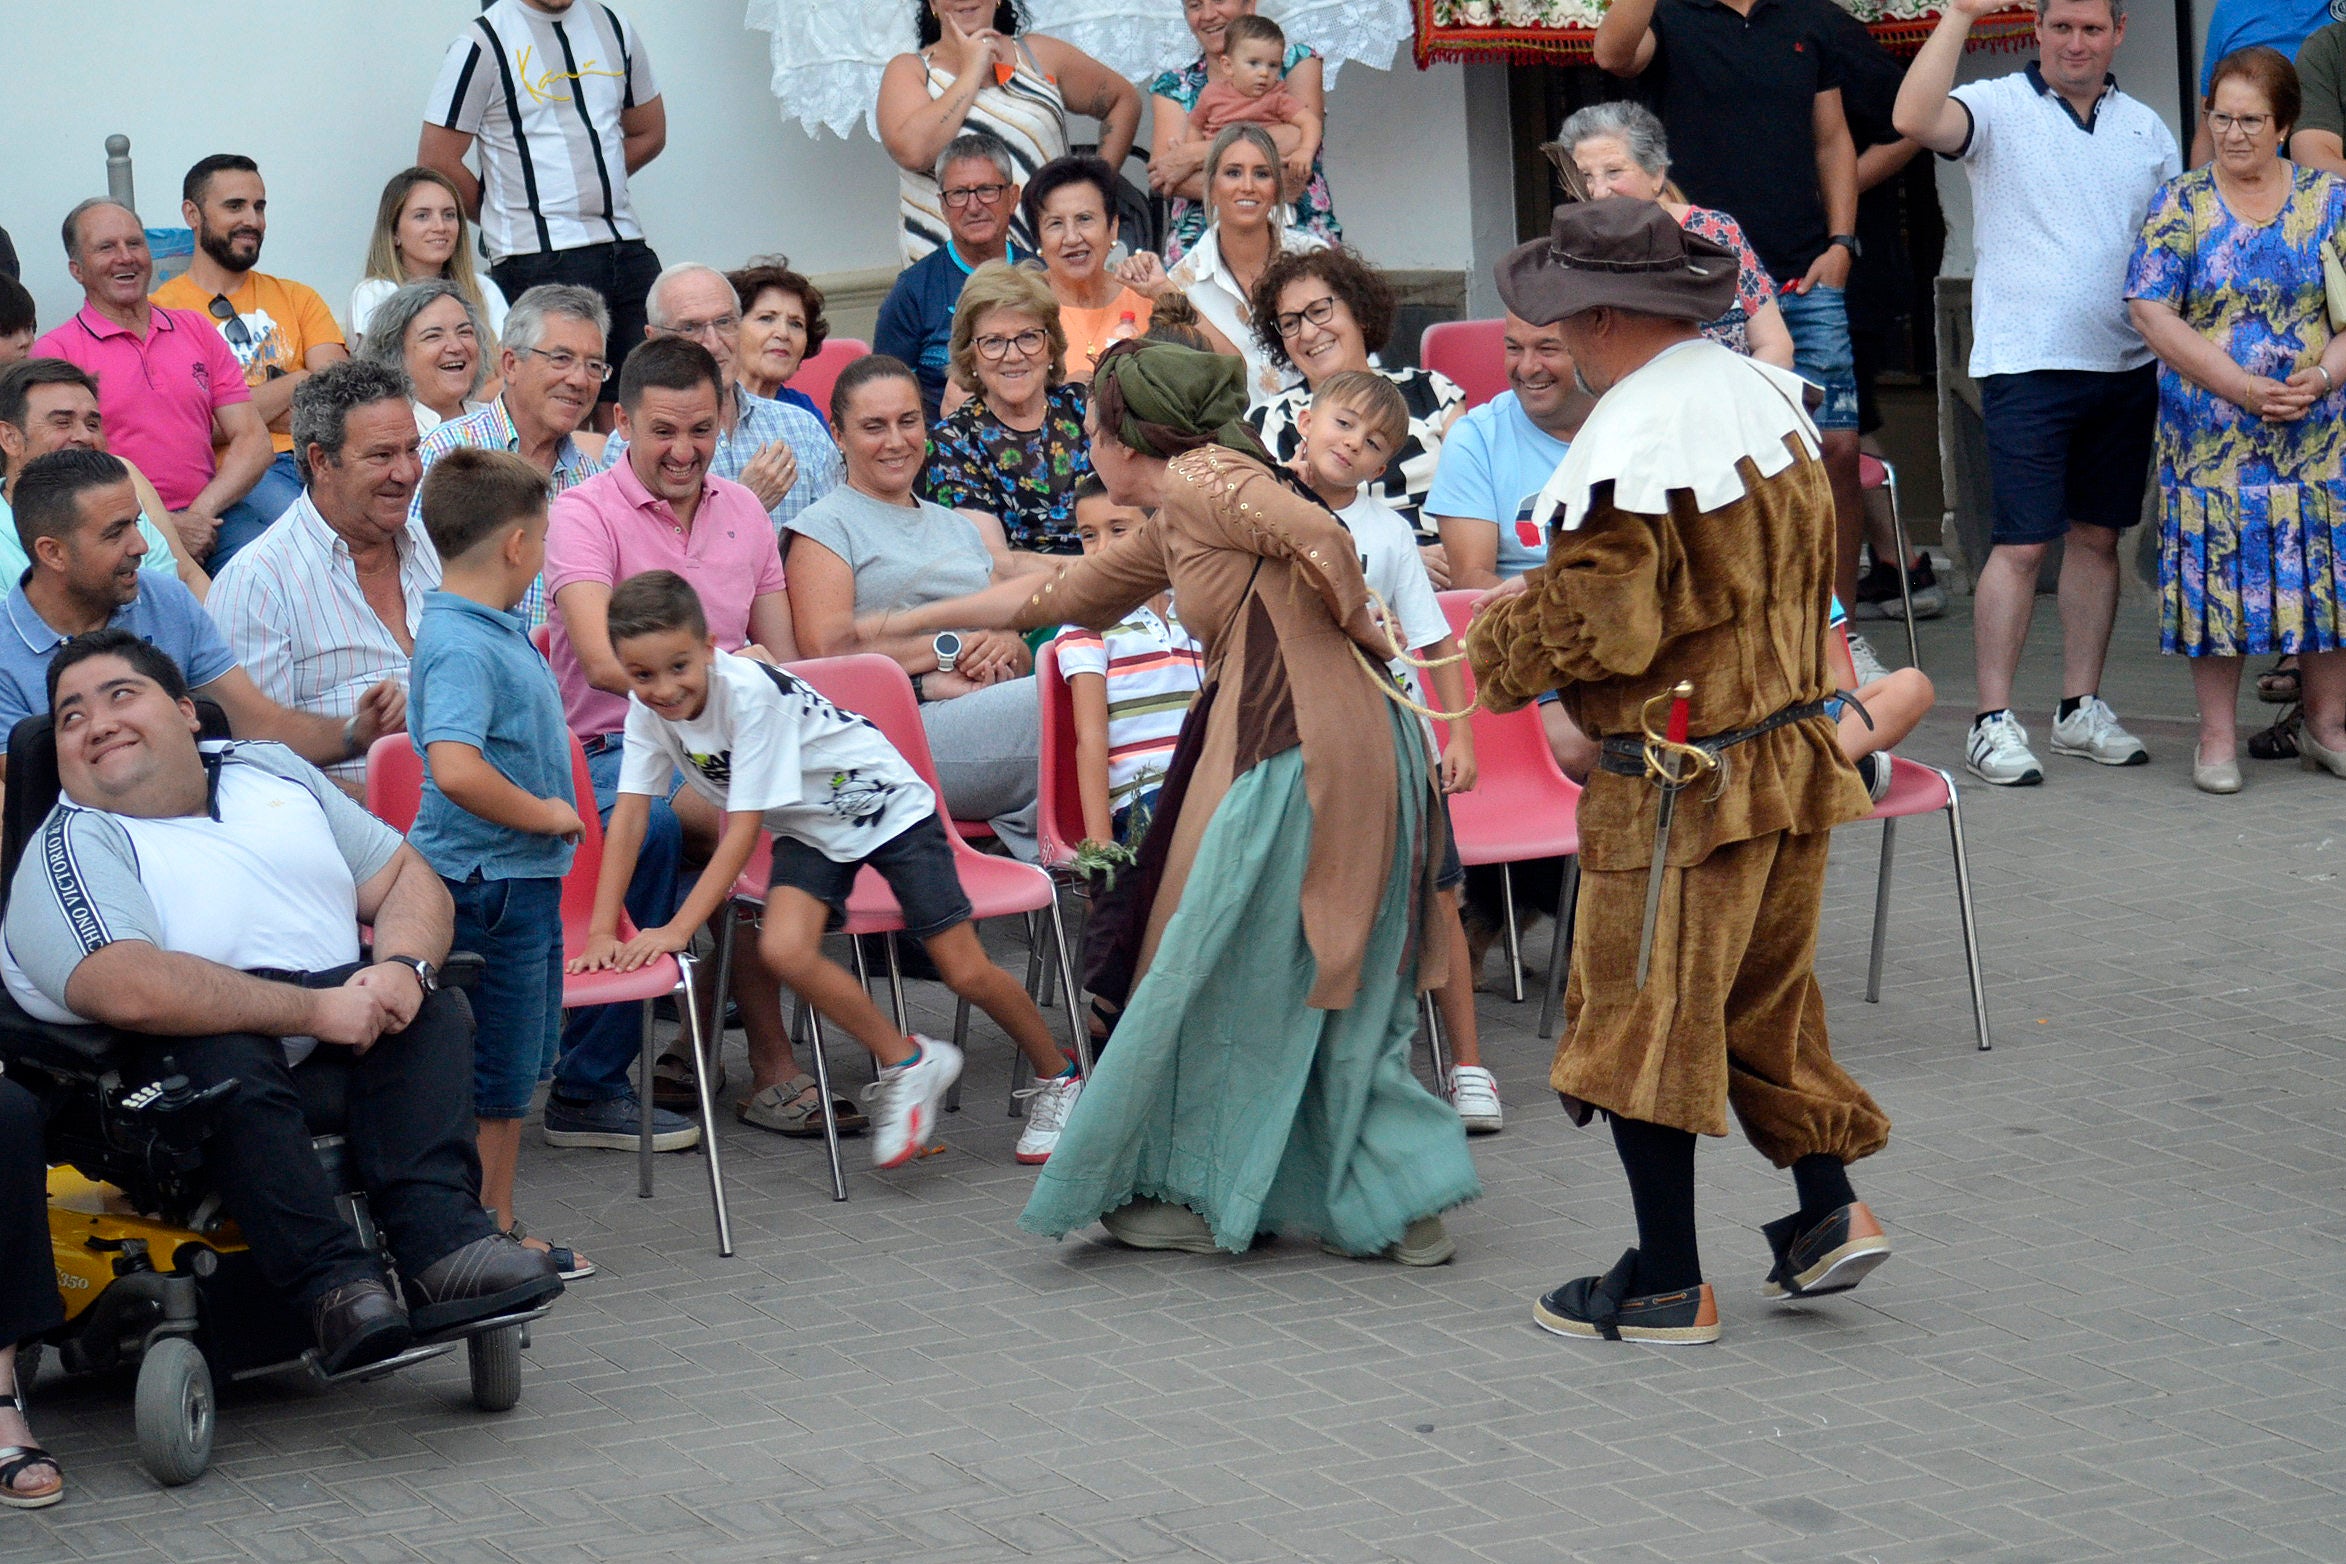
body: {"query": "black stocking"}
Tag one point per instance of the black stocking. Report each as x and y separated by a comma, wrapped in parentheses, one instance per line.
(1660, 1164)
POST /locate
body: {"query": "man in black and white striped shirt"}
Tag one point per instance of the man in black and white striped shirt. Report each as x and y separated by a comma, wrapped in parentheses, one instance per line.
(560, 96)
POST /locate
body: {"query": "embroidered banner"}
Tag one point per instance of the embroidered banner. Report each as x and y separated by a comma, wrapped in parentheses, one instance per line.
(1558, 32)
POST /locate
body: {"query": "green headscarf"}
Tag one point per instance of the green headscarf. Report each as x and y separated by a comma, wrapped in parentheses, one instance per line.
(1163, 400)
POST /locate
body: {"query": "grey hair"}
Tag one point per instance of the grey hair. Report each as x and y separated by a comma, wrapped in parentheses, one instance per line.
(972, 144)
(323, 403)
(653, 311)
(1632, 124)
(525, 322)
(72, 228)
(385, 342)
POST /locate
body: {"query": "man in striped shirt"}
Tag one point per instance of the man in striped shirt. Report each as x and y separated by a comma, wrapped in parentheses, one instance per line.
(560, 96)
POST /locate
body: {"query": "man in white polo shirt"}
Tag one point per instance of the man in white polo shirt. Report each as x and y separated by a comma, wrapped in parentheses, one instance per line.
(2063, 166)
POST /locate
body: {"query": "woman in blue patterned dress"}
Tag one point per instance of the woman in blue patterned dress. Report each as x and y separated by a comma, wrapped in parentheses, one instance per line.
(1178, 160)
(2227, 288)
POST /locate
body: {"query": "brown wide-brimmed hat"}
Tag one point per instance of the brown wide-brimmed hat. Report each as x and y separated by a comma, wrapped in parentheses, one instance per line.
(1619, 254)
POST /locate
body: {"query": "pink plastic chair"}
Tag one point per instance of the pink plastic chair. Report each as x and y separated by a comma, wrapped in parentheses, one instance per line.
(395, 781)
(1874, 473)
(876, 688)
(1469, 352)
(816, 375)
(1520, 807)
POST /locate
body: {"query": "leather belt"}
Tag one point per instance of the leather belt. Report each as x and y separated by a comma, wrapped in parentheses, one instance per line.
(1624, 754)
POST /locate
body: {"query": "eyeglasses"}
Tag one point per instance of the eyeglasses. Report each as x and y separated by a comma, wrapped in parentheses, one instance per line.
(2250, 125)
(984, 195)
(726, 326)
(1027, 343)
(565, 363)
(1319, 312)
(232, 325)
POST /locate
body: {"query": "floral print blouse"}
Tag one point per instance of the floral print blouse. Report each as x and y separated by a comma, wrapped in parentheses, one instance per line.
(1024, 478)
(1754, 288)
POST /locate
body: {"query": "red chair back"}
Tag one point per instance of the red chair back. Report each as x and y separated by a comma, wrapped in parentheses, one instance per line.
(586, 866)
(816, 375)
(1059, 812)
(1471, 352)
(395, 782)
(1522, 805)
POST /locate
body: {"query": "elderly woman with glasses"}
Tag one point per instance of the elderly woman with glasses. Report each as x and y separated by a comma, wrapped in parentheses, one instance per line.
(778, 451)
(2228, 288)
(430, 332)
(1010, 457)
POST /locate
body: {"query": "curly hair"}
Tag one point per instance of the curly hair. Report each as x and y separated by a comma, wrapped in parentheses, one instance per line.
(1360, 287)
(998, 285)
(773, 271)
(1009, 20)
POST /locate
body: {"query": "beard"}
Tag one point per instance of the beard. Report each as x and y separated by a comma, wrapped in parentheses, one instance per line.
(221, 248)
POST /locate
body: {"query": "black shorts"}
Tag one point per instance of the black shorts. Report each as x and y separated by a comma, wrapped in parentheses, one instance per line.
(917, 863)
(2068, 445)
(621, 272)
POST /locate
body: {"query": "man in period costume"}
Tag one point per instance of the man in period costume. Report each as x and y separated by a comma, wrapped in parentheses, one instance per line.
(1683, 615)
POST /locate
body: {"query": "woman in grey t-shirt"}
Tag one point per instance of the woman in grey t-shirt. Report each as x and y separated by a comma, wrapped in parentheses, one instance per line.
(870, 547)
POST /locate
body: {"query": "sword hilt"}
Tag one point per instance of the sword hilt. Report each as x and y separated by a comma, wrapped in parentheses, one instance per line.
(1670, 761)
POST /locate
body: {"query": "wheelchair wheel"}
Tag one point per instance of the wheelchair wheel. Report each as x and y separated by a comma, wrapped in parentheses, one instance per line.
(495, 1360)
(174, 1412)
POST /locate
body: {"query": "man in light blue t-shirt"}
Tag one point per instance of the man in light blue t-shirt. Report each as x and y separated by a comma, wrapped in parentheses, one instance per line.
(1497, 458)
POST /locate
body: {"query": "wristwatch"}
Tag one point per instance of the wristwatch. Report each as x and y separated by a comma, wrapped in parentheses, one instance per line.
(1847, 242)
(426, 974)
(948, 646)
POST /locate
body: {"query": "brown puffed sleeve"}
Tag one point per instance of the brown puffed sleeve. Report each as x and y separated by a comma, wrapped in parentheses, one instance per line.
(1593, 611)
(1099, 589)
(1233, 503)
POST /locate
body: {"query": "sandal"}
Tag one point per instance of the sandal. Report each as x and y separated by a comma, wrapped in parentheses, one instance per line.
(792, 1108)
(575, 1267)
(673, 1088)
(15, 1459)
(2278, 742)
(2279, 685)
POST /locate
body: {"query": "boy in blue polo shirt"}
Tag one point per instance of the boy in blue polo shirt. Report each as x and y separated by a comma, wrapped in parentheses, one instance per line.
(498, 819)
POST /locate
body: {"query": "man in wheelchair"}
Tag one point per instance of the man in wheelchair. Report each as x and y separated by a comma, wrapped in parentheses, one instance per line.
(208, 897)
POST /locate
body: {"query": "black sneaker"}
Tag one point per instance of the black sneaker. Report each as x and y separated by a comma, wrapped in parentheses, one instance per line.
(1596, 1306)
(1878, 596)
(1835, 1255)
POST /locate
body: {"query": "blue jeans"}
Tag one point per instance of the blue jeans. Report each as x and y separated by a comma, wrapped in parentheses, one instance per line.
(248, 518)
(599, 1044)
(516, 927)
(1822, 352)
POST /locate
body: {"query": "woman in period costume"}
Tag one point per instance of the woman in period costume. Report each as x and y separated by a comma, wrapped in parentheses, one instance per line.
(1259, 1076)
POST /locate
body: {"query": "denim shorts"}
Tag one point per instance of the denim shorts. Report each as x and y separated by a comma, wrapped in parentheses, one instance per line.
(1822, 352)
(2068, 445)
(1452, 872)
(917, 863)
(515, 926)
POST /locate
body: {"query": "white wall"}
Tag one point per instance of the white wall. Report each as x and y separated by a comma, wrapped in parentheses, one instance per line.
(2145, 69)
(327, 95)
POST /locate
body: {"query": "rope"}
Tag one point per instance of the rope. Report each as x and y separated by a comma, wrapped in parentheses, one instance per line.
(1390, 688)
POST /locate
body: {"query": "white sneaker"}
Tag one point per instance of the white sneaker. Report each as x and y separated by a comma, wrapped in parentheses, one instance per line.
(908, 1100)
(1861, 657)
(2091, 732)
(1046, 1116)
(1999, 753)
(1474, 1092)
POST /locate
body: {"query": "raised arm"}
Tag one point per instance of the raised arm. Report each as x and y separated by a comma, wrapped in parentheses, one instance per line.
(1093, 90)
(915, 127)
(1926, 110)
(1624, 44)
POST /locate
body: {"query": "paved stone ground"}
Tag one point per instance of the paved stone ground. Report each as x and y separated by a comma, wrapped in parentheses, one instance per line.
(2111, 1330)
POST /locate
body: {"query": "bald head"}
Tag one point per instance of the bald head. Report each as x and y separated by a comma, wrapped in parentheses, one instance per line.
(695, 301)
(73, 221)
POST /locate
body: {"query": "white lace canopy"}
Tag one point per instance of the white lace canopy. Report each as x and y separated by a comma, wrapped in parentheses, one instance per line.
(828, 54)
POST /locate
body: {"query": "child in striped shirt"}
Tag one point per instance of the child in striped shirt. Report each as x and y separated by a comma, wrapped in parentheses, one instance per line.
(1130, 688)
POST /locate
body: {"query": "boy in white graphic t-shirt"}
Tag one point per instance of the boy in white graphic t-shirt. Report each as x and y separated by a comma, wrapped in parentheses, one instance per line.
(774, 755)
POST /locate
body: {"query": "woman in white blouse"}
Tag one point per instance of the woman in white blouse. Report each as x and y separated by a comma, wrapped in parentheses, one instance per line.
(420, 233)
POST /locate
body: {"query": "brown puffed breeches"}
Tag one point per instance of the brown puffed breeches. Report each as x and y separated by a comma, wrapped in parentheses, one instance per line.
(1730, 1013)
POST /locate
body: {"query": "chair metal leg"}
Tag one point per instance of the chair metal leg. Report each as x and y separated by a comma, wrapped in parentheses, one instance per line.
(863, 974)
(896, 989)
(692, 1019)
(1078, 1034)
(1038, 977)
(1979, 993)
(1873, 968)
(960, 1041)
(1905, 553)
(814, 1023)
(1514, 935)
(643, 1113)
(1560, 949)
(1437, 1046)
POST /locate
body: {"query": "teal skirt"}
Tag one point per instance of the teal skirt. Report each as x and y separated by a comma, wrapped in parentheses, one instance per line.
(1225, 1092)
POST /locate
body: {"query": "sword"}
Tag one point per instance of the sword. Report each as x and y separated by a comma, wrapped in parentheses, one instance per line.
(1670, 764)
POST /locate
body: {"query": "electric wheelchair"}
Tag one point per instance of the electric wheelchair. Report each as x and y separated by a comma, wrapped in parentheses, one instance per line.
(151, 1271)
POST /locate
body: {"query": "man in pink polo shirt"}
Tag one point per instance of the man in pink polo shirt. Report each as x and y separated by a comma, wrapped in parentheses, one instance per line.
(658, 509)
(169, 388)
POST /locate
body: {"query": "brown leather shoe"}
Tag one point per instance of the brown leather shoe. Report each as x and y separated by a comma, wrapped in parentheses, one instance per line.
(489, 1276)
(358, 1323)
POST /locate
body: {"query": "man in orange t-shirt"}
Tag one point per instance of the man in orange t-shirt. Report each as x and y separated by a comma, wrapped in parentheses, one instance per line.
(278, 329)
